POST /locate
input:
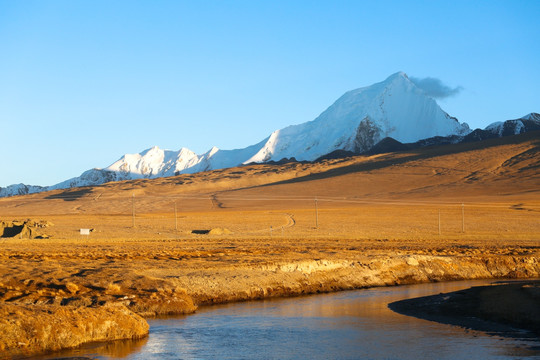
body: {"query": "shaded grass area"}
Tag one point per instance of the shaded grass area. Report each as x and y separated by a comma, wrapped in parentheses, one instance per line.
(70, 194)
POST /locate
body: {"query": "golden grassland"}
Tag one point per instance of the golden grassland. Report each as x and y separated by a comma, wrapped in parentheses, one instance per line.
(166, 245)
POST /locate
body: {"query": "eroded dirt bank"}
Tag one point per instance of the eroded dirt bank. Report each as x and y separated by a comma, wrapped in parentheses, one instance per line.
(315, 276)
(115, 283)
(28, 329)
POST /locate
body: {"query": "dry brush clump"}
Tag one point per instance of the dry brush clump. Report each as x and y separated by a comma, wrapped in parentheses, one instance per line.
(163, 302)
(140, 294)
(73, 306)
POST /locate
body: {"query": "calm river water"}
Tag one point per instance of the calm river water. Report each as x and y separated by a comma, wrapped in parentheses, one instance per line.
(345, 325)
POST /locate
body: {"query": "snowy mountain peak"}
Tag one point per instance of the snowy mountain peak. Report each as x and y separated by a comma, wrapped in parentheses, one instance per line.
(212, 151)
(153, 151)
(532, 117)
(360, 118)
(185, 152)
(529, 122)
(355, 122)
(400, 75)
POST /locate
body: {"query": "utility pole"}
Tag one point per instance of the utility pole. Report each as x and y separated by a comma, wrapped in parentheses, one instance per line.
(439, 222)
(133, 210)
(316, 214)
(175, 218)
(462, 218)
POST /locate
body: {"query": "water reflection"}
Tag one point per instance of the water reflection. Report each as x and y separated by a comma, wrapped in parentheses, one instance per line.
(115, 350)
(347, 325)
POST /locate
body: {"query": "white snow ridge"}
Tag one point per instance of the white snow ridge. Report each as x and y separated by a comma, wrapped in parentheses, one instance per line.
(359, 119)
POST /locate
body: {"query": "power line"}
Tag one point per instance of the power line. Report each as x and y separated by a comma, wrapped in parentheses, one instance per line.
(316, 214)
(133, 208)
(254, 198)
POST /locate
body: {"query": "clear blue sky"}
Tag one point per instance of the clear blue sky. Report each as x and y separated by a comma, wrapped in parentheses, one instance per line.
(83, 82)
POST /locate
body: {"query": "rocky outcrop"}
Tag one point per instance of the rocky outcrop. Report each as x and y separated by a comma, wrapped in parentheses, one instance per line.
(367, 135)
(26, 229)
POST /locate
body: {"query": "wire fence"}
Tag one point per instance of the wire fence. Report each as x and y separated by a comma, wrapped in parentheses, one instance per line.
(185, 215)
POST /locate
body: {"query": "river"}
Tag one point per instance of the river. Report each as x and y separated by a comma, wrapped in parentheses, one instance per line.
(344, 325)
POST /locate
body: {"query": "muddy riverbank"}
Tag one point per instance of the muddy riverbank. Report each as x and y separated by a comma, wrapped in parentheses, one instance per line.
(502, 308)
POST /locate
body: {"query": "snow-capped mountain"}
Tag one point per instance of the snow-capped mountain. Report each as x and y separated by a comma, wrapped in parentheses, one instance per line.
(21, 189)
(356, 122)
(360, 118)
(526, 123)
(529, 122)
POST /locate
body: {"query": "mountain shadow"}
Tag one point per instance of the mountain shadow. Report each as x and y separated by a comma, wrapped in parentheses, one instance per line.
(71, 194)
(416, 154)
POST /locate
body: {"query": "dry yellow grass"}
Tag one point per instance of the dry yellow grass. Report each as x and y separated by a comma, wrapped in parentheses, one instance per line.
(383, 196)
(283, 230)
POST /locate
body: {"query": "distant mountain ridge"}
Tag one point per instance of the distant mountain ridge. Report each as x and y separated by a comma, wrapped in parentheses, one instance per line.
(527, 123)
(360, 121)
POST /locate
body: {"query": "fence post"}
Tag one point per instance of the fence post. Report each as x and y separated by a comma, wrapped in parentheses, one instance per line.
(439, 222)
(175, 218)
(133, 210)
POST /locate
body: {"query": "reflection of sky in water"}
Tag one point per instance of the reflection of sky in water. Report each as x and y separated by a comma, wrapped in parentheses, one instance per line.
(346, 325)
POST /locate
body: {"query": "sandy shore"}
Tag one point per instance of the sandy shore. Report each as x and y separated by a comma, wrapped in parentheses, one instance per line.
(503, 308)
